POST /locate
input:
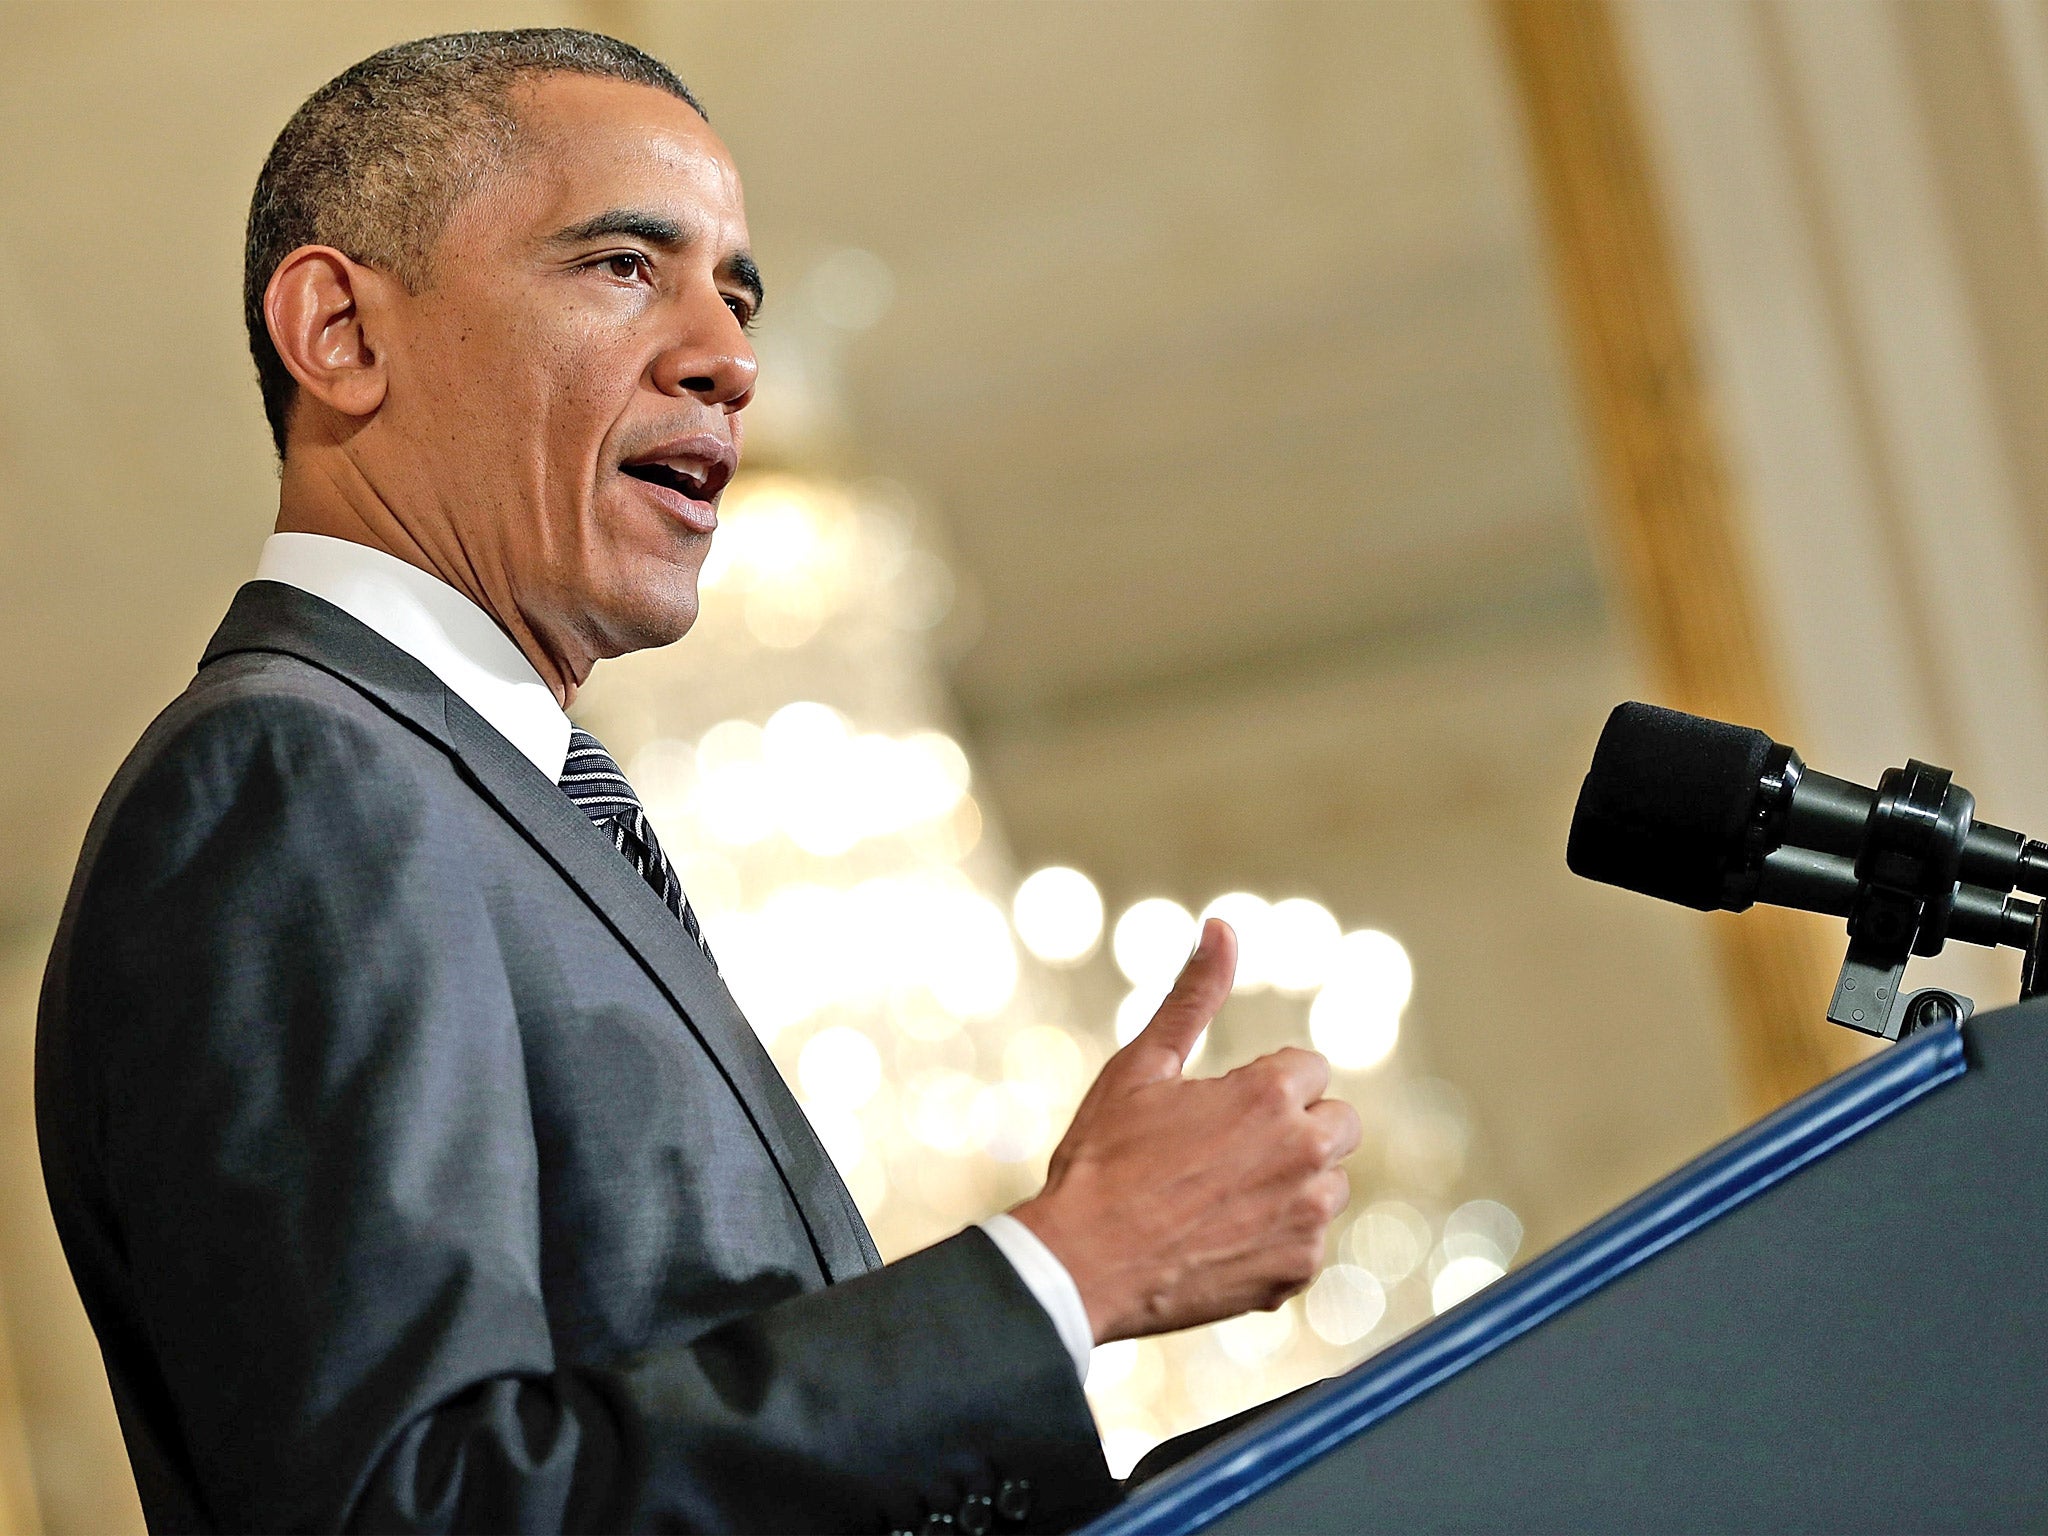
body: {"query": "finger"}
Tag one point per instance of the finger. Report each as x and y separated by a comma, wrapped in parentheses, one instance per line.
(1328, 1193)
(1340, 1126)
(1301, 1075)
(1163, 1046)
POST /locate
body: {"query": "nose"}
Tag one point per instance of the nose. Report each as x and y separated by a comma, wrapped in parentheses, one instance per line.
(710, 358)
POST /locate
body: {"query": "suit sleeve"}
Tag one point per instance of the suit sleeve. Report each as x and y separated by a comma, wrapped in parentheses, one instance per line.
(299, 1057)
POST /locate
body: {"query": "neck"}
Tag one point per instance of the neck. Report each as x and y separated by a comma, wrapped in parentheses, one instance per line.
(327, 493)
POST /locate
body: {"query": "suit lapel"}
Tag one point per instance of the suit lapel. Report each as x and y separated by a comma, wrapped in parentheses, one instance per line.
(646, 927)
(271, 616)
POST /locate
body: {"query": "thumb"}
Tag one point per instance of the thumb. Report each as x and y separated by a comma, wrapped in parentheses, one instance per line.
(1163, 1046)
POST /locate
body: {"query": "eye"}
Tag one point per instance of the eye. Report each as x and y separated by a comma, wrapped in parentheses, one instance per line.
(742, 311)
(626, 266)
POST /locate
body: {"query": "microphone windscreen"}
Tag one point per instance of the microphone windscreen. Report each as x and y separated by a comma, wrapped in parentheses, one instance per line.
(1666, 803)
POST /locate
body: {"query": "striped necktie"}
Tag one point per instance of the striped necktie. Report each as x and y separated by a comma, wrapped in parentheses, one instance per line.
(600, 791)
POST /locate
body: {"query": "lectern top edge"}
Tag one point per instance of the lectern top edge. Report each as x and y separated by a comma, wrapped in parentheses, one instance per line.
(1272, 1448)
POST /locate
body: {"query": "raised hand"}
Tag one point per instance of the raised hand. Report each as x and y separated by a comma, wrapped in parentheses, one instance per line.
(1175, 1201)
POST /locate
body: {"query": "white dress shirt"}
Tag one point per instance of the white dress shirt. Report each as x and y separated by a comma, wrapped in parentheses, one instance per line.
(462, 645)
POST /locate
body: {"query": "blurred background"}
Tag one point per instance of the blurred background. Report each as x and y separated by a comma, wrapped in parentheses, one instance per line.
(1209, 457)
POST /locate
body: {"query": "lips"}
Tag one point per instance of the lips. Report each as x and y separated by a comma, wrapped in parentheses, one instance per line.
(686, 477)
(689, 483)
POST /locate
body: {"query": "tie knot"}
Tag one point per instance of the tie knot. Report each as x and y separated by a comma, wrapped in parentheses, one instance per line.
(593, 781)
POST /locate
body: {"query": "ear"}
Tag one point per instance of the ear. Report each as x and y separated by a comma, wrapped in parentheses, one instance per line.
(324, 311)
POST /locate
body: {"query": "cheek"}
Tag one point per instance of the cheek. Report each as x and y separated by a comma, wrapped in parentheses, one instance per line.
(580, 388)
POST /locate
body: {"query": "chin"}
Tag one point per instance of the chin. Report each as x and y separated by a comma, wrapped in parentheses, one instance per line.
(647, 615)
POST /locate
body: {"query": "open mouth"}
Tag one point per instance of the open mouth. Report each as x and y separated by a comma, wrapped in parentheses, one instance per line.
(686, 481)
(694, 483)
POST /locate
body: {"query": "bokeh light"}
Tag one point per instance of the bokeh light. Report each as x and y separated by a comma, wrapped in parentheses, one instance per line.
(940, 1019)
(940, 1109)
(1389, 1241)
(839, 1066)
(1253, 1337)
(1482, 1229)
(839, 1130)
(1460, 1279)
(1354, 1026)
(1135, 1012)
(969, 960)
(1058, 912)
(1049, 1061)
(1014, 1124)
(1249, 917)
(1152, 941)
(1301, 944)
(1111, 1364)
(1374, 962)
(1345, 1304)
(851, 289)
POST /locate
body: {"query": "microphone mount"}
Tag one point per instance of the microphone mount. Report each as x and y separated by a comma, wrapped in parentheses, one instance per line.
(1718, 816)
(1905, 898)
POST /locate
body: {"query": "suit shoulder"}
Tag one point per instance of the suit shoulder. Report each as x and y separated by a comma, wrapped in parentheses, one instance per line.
(260, 739)
(263, 710)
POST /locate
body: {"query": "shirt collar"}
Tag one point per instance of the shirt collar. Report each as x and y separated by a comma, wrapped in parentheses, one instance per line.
(435, 625)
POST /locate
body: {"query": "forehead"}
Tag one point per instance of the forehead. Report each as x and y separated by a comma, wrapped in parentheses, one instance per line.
(587, 144)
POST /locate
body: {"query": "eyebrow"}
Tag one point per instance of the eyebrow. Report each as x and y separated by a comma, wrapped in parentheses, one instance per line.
(662, 233)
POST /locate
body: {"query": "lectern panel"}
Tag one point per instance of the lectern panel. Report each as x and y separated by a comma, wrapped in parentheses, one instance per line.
(1863, 1346)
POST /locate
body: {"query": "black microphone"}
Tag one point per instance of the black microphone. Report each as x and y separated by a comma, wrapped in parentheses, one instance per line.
(1719, 817)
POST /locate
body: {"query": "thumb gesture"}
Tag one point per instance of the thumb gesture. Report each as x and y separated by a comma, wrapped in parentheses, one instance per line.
(1173, 1203)
(1163, 1046)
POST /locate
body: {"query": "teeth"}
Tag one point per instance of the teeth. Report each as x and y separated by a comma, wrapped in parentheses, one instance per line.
(696, 478)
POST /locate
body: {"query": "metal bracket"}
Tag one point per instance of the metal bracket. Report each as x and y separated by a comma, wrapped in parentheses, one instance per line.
(1867, 994)
(2034, 970)
(1867, 998)
(1905, 896)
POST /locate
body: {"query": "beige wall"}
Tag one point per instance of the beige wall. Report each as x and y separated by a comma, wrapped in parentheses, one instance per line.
(1858, 193)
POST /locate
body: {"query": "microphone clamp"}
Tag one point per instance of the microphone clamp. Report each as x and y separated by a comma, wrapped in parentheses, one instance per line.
(1720, 816)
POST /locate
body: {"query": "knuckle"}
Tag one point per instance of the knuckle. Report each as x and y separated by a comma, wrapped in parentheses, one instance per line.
(1308, 1064)
(1352, 1127)
(1336, 1195)
(1269, 1084)
(1302, 1144)
(1323, 1198)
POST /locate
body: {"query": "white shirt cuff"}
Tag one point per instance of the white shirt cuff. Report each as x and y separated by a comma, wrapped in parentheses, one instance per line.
(1047, 1279)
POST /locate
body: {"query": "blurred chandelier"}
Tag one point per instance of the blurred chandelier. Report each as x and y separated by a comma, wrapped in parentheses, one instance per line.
(792, 755)
(795, 757)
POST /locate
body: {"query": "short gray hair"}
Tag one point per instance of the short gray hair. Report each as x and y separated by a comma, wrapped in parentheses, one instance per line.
(376, 159)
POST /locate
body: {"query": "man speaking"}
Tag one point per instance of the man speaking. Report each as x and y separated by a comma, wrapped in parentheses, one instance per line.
(416, 1168)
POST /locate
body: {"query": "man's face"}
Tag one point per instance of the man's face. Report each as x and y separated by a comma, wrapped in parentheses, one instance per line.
(565, 391)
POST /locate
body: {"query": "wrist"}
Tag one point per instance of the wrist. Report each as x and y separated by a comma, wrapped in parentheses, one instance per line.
(1042, 1216)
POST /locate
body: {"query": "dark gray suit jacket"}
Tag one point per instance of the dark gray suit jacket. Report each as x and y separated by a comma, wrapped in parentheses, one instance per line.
(418, 1172)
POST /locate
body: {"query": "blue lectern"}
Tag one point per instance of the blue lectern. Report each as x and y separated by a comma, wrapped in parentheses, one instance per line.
(1836, 1321)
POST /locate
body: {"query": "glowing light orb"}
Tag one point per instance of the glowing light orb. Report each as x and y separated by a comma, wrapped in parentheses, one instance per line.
(1256, 1336)
(1250, 918)
(1388, 1241)
(1152, 941)
(1461, 1278)
(1354, 1028)
(1345, 1304)
(840, 1067)
(1302, 939)
(1058, 913)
